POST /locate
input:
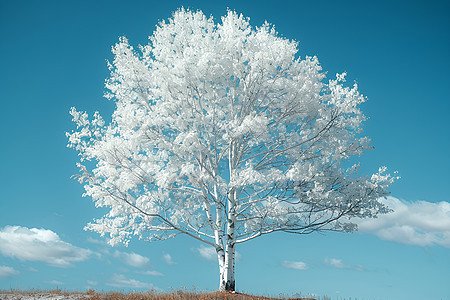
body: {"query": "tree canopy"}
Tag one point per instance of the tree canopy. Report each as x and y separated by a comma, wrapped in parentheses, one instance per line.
(222, 132)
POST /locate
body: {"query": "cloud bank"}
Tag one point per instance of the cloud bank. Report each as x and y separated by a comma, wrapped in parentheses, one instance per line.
(6, 272)
(168, 259)
(413, 223)
(119, 280)
(151, 273)
(207, 252)
(56, 282)
(296, 265)
(132, 259)
(39, 245)
(337, 263)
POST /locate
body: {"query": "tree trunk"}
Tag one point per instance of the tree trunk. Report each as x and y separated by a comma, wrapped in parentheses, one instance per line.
(230, 283)
(221, 258)
(226, 266)
(227, 282)
(230, 251)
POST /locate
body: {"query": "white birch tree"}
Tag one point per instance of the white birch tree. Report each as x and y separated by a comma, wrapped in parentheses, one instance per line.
(222, 133)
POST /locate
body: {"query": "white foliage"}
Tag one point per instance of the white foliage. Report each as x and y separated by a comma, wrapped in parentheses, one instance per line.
(219, 124)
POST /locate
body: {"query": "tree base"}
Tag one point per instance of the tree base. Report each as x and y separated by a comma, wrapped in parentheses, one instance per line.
(229, 286)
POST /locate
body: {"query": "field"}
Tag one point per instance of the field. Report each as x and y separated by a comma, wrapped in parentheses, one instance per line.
(151, 295)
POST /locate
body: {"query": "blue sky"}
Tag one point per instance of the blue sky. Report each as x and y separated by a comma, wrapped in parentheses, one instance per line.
(53, 56)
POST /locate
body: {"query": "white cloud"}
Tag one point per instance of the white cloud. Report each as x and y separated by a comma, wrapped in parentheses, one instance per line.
(6, 272)
(96, 241)
(207, 252)
(337, 263)
(119, 280)
(90, 282)
(132, 259)
(297, 265)
(415, 223)
(54, 282)
(238, 256)
(151, 273)
(39, 245)
(168, 259)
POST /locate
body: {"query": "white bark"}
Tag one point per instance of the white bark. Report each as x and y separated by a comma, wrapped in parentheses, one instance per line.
(230, 251)
(221, 260)
(218, 235)
(227, 280)
(230, 255)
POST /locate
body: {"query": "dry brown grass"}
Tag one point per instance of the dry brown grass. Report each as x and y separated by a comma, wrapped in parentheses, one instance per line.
(150, 295)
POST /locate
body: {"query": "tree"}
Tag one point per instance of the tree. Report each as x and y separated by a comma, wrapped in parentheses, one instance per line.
(220, 132)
